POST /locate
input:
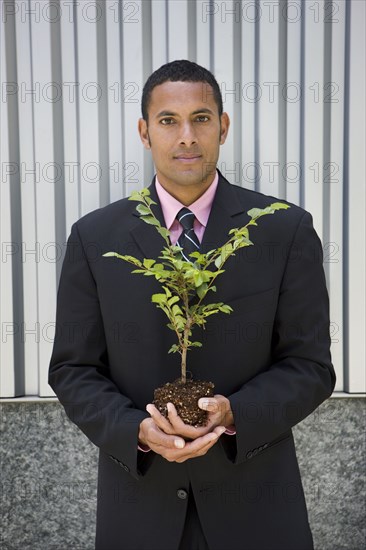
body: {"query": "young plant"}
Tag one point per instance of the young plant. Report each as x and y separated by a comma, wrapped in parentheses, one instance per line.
(186, 284)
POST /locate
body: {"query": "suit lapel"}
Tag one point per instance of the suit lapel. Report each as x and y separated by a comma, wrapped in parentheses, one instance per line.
(225, 207)
(146, 237)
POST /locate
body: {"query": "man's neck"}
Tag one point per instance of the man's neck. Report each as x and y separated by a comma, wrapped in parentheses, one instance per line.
(187, 195)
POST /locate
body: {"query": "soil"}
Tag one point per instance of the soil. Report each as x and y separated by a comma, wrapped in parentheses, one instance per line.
(184, 397)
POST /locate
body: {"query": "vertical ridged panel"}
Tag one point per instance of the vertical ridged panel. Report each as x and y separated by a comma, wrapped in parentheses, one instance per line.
(293, 83)
(45, 187)
(355, 184)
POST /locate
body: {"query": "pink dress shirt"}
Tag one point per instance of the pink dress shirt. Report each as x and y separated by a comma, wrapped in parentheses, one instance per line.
(201, 208)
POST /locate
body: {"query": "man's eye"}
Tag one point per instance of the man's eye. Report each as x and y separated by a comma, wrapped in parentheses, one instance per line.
(202, 118)
(166, 121)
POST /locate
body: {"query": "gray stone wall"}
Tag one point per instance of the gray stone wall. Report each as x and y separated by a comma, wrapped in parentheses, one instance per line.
(49, 469)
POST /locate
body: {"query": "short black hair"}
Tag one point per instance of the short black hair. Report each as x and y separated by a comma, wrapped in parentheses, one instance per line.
(179, 71)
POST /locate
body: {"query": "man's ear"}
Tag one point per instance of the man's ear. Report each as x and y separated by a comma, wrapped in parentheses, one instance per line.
(144, 133)
(224, 127)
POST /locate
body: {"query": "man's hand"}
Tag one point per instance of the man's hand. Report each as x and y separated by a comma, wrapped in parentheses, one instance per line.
(219, 416)
(173, 448)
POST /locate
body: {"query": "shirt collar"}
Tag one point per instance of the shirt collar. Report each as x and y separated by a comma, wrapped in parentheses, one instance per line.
(201, 207)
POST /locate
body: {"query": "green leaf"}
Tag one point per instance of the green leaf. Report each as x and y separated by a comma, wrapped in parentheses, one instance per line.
(127, 258)
(164, 232)
(143, 210)
(195, 344)
(180, 322)
(226, 251)
(207, 313)
(201, 290)
(258, 212)
(135, 196)
(174, 348)
(254, 212)
(207, 307)
(149, 201)
(159, 298)
(190, 272)
(244, 232)
(200, 259)
(167, 291)
(198, 280)
(150, 220)
(280, 206)
(130, 259)
(218, 262)
(148, 263)
(177, 310)
(199, 320)
(225, 308)
(173, 300)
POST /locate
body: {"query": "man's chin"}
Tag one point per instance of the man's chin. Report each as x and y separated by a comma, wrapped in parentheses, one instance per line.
(190, 176)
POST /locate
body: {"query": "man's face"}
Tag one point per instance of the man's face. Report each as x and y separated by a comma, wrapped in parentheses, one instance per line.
(184, 133)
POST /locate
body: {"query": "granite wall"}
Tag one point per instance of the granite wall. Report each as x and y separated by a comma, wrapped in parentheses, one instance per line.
(48, 477)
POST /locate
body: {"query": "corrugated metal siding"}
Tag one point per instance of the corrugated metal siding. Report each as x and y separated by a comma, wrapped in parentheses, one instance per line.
(292, 76)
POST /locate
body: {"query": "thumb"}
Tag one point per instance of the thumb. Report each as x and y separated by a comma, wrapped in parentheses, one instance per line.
(208, 404)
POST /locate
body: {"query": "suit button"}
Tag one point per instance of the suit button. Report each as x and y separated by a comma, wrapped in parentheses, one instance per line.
(255, 452)
(249, 454)
(182, 493)
(125, 467)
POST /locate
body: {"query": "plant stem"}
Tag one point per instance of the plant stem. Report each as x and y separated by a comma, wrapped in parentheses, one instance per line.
(184, 364)
(187, 328)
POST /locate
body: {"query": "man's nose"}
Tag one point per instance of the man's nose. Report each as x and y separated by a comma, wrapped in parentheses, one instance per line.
(188, 136)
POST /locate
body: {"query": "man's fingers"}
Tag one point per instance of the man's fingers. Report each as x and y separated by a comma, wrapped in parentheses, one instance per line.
(185, 430)
(218, 408)
(159, 419)
(172, 411)
(204, 440)
(175, 449)
(156, 438)
(174, 424)
(200, 446)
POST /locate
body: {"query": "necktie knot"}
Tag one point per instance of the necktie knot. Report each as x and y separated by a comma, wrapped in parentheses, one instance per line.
(186, 218)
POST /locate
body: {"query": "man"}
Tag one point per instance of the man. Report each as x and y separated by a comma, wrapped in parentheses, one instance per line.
(162, 485)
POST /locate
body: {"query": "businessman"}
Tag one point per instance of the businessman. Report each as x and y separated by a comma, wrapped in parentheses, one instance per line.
(162, 485)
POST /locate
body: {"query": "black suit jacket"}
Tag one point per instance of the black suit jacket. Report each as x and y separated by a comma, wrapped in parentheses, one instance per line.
(270, 357)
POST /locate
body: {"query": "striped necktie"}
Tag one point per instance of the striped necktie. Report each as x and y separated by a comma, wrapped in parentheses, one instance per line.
(187, 239)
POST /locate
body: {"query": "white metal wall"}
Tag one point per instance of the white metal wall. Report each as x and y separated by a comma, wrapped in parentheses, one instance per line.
(292, 76)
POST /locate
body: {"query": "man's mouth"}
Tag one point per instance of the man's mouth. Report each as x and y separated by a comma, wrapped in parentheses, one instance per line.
(187, 157)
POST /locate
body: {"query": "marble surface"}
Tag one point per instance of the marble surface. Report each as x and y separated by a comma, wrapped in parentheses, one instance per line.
(331, 453)
(49, 469)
